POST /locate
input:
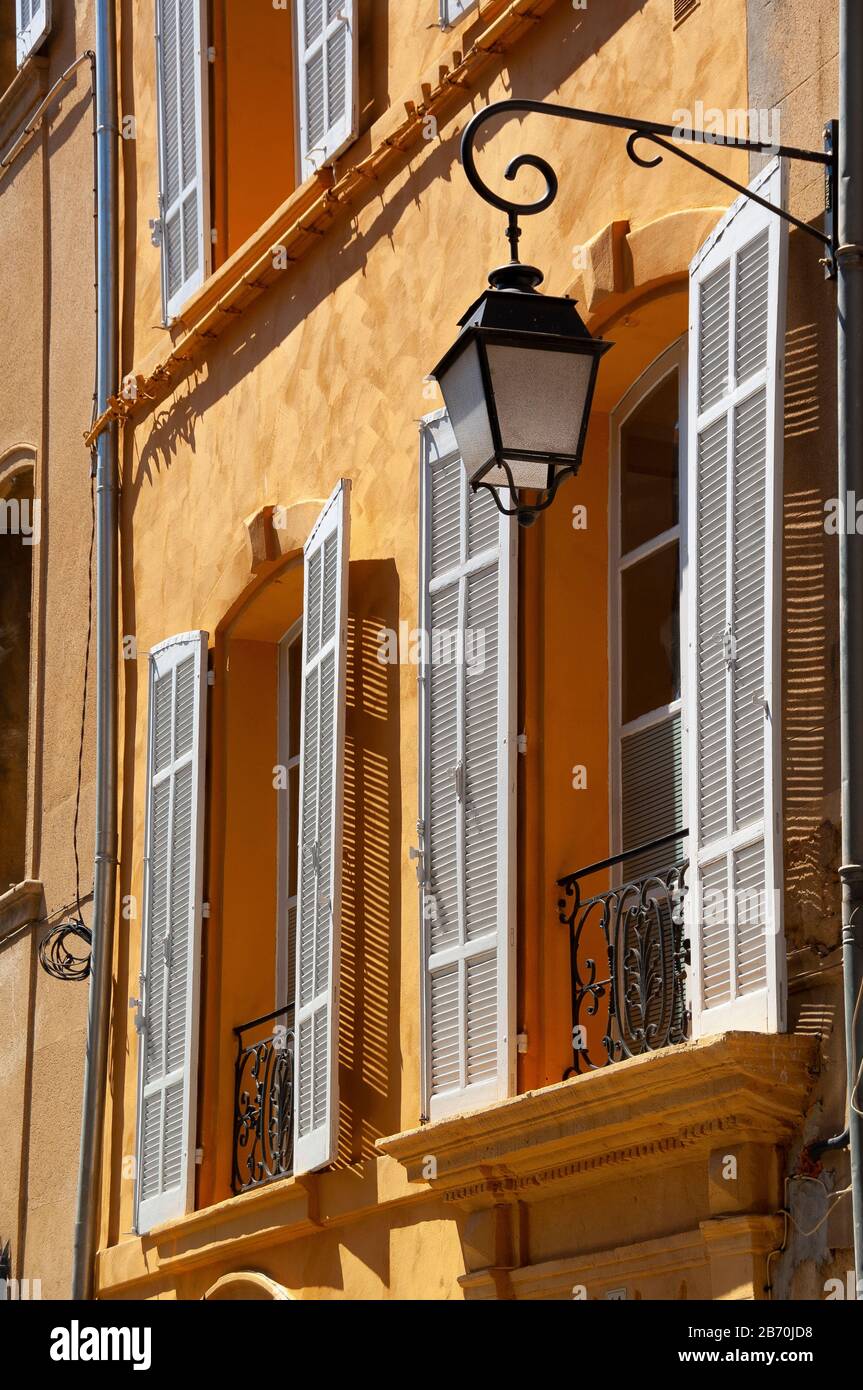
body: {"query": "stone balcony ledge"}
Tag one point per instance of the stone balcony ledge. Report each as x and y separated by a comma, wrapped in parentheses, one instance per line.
(736, 1088)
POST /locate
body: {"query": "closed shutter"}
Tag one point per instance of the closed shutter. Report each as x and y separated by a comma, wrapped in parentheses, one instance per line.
(170, 970)
(451, 11)
(32, 24)
(326, 79)
(184, 213)
(467, 784)
(737, 304)
(651, 786)
(322, 743)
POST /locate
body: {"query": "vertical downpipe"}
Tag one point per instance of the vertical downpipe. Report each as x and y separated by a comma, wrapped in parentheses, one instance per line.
(104, 876)
(850, 441)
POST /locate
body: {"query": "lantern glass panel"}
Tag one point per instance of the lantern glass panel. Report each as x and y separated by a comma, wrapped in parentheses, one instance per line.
(464, 394)
(532, 474)
(540, 396)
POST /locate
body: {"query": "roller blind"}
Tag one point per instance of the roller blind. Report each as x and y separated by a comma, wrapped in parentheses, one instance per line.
(737, 302)
(467, 784)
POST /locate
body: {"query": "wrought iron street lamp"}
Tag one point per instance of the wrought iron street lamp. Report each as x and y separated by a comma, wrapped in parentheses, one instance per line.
(518, 382)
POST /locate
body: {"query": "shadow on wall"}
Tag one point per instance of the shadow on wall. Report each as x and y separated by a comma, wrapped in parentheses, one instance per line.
(369, 1052)
(810, 627)
(344, 255)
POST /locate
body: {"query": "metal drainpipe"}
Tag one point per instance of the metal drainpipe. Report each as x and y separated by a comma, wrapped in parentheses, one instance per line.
(104, 880)
(850, 446)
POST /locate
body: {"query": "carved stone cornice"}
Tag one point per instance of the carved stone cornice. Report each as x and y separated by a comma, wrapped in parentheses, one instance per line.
(737, 1088)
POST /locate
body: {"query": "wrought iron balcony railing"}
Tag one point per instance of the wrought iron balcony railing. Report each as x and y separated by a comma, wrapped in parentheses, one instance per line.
(264, 1100)
(627, 960)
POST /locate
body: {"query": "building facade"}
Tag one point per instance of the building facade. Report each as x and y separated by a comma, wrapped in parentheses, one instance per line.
(478, 915)
(47, 353)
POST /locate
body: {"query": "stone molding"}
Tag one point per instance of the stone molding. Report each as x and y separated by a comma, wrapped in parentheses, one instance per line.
(744, 1088)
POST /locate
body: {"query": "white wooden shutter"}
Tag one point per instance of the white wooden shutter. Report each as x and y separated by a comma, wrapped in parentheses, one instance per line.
(468, 587)
(737, 311)
(451, 11)
(170, 970)
(327, 48)
(32, 24)
(184, 199)
(322, 742)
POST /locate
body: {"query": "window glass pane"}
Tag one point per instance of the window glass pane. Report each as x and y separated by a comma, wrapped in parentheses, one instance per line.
(649, 444)
(651, 633)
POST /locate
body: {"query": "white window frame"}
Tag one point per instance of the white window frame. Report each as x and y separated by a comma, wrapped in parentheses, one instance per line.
(673, 358)
(287, 833)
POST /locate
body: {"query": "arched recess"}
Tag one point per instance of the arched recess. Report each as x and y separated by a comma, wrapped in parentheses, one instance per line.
(19, 537)
(247, 1286)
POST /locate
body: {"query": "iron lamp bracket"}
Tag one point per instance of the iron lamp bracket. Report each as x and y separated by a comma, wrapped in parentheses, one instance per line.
(661, 137)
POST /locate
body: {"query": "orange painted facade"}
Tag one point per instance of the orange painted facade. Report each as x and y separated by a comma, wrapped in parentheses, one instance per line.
(301, 359)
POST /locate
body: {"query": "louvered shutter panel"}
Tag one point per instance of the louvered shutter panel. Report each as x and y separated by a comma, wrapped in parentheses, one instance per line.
(170, 969)
(181, 67)
(468, 583)
(322, 743)
(326, 79)
(32, 24)
(451, 11)
(651, 765)
(737, 309)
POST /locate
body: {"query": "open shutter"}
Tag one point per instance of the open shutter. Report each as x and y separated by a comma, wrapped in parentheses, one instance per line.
(184, 212)
(468, 582)
(451, 11)
(322, 742)
(737, 311)
(170, 970)
(326, 79)
(32, 24)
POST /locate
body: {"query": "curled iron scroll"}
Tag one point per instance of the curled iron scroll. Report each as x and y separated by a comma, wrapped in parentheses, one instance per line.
(521, 161)
(638, 158)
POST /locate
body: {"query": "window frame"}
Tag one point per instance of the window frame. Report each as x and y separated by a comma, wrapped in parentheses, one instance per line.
(288, 835)
(672, 359)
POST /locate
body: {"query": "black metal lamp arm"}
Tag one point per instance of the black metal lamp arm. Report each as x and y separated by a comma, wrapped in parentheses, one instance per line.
(658, 134)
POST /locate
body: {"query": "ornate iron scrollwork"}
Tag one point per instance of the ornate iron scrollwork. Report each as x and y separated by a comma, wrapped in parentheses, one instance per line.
(667, 139)
(264, 1102)
(627, 961)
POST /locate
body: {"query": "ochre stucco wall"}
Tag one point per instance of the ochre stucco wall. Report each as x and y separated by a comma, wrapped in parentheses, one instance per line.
(324, 377)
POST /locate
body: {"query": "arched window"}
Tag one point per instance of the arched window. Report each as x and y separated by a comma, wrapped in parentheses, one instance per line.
(19, 534)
